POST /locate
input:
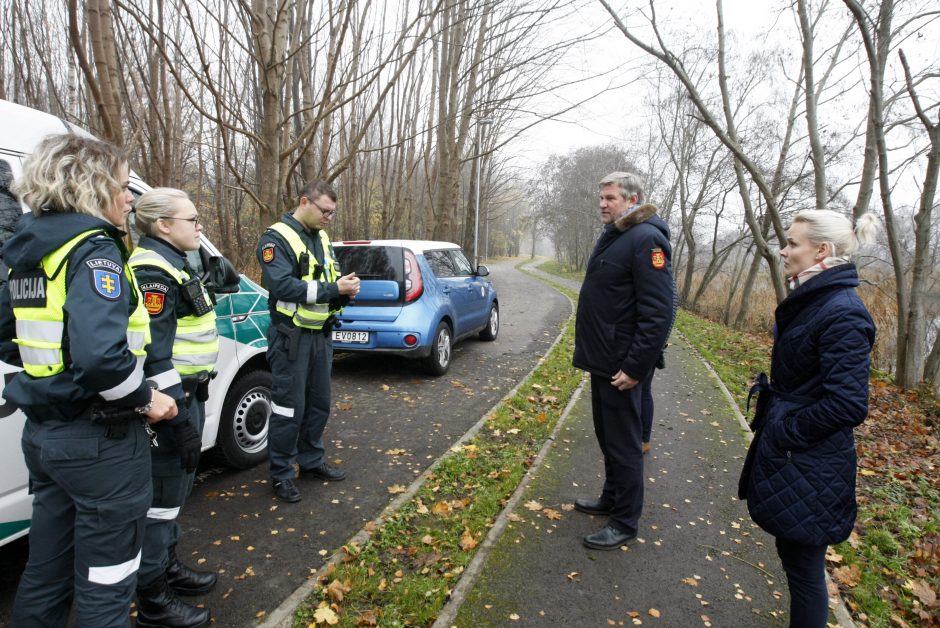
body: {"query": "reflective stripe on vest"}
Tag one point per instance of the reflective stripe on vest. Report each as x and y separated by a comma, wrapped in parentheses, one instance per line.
(40, 330)
(308, 315)
(196, 345)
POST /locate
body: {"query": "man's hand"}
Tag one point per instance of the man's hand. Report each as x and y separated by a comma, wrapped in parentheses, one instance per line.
(622, 381)
(348, 285)
(188, 445)
(164, 407)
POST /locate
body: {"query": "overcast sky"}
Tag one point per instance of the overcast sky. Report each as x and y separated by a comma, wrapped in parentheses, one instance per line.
(613, 61)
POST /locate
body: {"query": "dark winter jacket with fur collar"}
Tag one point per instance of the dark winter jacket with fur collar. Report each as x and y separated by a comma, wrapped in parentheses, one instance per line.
(625, 307)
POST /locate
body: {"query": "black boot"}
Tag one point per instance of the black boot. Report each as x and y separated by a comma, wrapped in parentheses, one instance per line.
(158, 607)
(186, 581)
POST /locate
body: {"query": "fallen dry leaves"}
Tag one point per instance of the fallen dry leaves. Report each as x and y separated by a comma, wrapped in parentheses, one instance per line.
(898, 445)
(325, 615)
(467, 542)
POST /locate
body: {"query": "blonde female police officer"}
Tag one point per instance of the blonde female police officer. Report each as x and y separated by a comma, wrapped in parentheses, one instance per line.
(180, 358)
(72, 317)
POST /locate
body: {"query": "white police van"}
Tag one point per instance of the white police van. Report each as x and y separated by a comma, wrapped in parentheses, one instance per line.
(240, 399)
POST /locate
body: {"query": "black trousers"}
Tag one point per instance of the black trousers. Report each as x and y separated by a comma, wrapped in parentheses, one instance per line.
(619, 431)
(805, 566)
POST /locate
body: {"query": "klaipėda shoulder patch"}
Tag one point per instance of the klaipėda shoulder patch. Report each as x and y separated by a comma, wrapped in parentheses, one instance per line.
(154, 301)
(658, 258)
(267, 253)
(154, 296)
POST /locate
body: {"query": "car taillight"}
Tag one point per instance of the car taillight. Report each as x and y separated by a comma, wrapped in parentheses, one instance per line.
(414, 286)
(411, 340)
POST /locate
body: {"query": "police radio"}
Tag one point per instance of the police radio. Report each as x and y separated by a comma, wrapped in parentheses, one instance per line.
(195, 296)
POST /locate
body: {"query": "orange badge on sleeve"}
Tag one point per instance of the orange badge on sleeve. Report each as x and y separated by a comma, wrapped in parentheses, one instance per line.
(267, 253)
(153, 301)
(658, 259)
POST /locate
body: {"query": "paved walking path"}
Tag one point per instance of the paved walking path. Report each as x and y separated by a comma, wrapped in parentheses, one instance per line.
(700, 561)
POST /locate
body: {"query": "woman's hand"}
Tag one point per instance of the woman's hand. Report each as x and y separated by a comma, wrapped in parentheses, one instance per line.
(164, 407)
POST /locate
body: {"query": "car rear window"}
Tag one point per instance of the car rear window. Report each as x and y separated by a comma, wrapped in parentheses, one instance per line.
(372, 262)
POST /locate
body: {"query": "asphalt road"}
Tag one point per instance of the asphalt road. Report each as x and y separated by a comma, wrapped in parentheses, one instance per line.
(263, 549)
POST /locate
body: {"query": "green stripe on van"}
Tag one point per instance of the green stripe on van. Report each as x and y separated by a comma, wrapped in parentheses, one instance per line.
(10, 528)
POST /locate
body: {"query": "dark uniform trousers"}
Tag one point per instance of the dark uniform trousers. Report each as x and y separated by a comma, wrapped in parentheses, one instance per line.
(90, 500)
(171, 486)
(301, 400)
(619, 430)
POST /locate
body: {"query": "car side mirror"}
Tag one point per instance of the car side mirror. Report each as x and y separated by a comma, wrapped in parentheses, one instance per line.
(482, 271)
(221, 276)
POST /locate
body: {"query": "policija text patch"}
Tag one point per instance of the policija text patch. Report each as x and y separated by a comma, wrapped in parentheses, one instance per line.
(28, 289)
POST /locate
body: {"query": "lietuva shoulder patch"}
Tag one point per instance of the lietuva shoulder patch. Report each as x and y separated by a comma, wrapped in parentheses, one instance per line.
(107, 283)
(658, 258)
(101, 262)
(267, 253)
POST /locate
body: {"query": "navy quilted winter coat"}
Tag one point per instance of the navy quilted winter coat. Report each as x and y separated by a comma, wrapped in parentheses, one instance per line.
(802, 483)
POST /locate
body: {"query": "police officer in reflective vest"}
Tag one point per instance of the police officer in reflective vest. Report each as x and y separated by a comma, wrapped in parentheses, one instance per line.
(180, 359)
(305, 291)
(72, 317)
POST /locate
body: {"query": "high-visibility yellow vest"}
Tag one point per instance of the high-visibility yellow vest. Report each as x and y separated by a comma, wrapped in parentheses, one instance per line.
(196, 345)
(40, 329)
(308, 315)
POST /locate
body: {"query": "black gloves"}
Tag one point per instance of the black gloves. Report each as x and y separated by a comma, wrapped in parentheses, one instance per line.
(188, 444)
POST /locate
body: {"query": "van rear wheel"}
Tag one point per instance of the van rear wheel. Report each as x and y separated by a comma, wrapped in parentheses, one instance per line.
(243, 432)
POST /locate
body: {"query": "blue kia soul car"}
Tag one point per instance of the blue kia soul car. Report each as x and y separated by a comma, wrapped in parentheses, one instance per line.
(416, 299)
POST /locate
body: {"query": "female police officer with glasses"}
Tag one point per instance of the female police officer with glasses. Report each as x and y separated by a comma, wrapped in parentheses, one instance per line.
(72, 317)
(180, 359)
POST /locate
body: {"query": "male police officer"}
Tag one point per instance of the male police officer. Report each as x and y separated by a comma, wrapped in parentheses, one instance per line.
(305, 292)
(624, 317)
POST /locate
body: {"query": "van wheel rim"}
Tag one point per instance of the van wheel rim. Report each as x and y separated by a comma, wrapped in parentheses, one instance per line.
(250, 423)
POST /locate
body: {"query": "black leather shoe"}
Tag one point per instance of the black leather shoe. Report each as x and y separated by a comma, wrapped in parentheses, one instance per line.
(592, 506)
(608, 538)
(286, 491)
(186, 581)
(326, 472)
(158, 607)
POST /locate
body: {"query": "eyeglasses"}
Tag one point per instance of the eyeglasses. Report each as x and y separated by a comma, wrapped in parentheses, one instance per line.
(194, 220)
(326, 212)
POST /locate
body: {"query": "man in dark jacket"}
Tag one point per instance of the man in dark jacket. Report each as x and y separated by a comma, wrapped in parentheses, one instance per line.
(623, 321)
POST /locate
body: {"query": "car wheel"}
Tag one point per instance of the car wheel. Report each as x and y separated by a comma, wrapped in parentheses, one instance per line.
(492, 325)
(243, 432)
(439, 361)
